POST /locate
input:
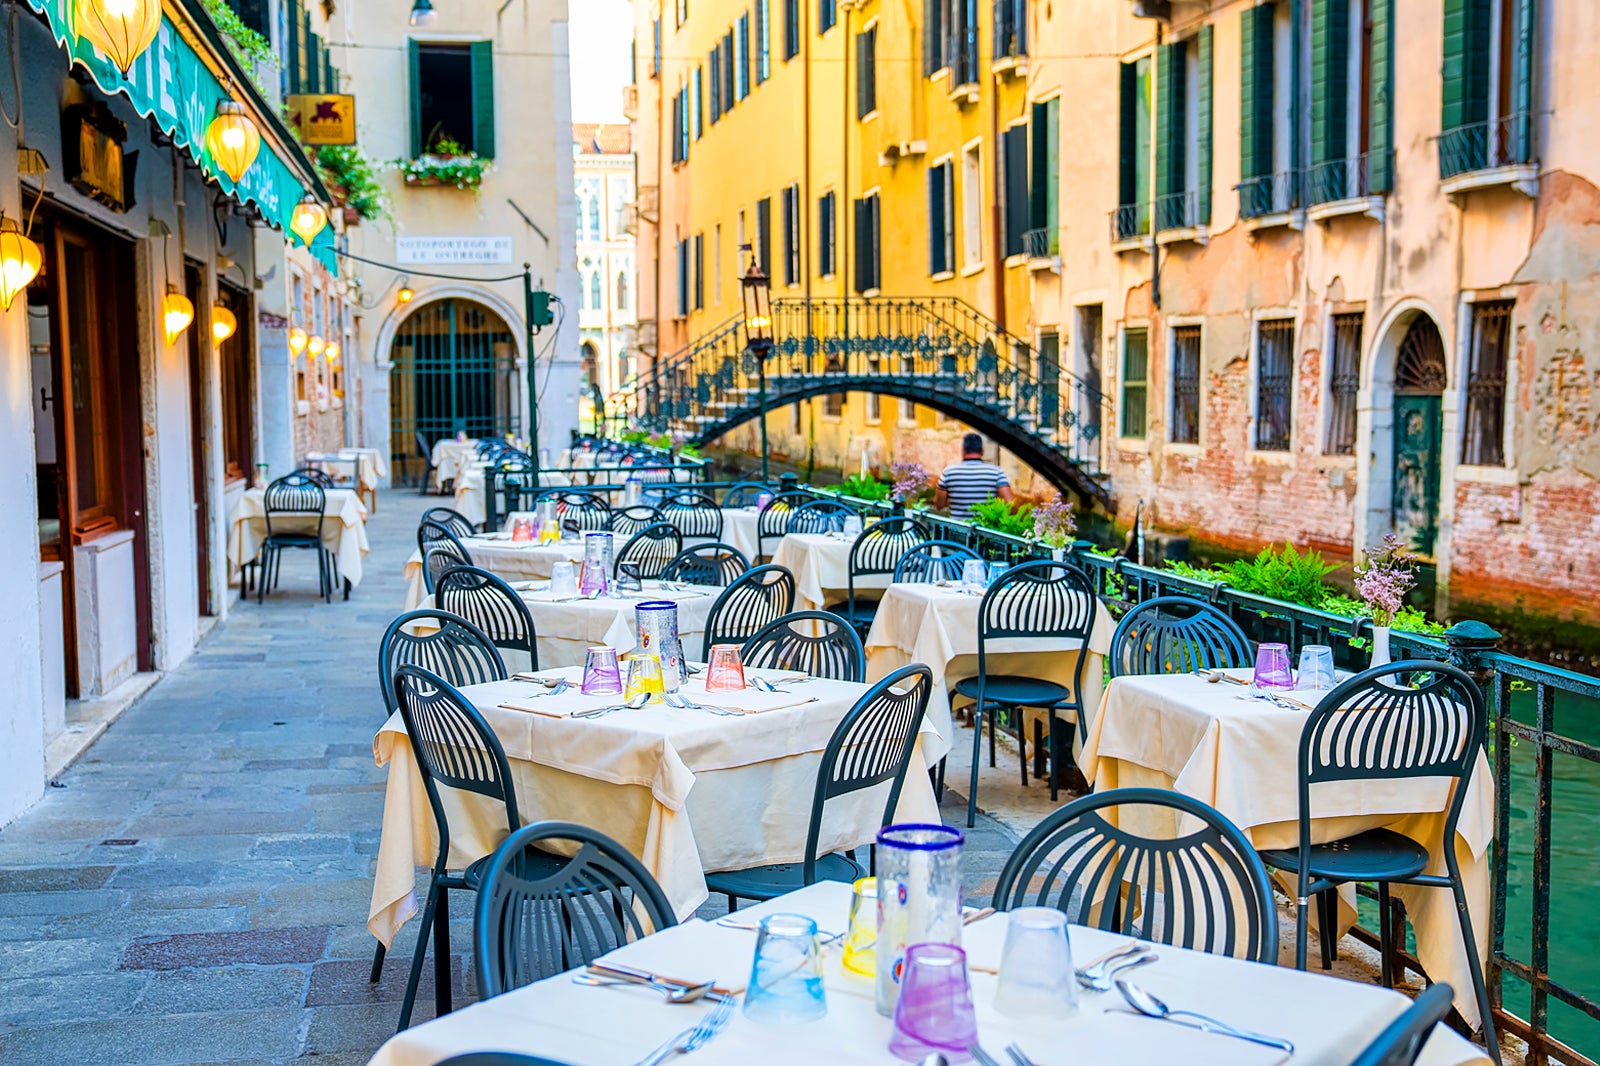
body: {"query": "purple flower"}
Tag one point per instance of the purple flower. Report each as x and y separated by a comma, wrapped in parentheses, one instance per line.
(1385, 579)
(910, 480)
(1054, 523)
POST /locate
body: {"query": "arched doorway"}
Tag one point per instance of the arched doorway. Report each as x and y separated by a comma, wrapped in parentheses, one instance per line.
(454, 371)
(1419, 382)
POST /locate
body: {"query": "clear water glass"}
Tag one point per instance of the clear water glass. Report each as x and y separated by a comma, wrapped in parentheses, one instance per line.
(919, 898)
(852, 525)
(997, 571)
(563, 580)
(786, 975)
(1036, 978)
(974, 575)
(1272, 667)
(934, 1014)
(1316, 668)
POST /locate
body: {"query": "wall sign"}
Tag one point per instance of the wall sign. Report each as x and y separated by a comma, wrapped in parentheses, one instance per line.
(452, 249)
(323, 118)
(91, 150)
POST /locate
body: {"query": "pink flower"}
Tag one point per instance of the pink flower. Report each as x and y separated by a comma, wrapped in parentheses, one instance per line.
(1054, 523)
(1385, 579)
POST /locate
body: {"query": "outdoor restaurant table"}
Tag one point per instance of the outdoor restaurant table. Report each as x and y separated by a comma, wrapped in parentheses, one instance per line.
(344, 530)
(739, 531)
(938, 625)
(820, 563)
(1327, 1018)
(1240, 754)
(449, 455)
(686, 791)
(501, 556)
(469, 490)
(568, 629)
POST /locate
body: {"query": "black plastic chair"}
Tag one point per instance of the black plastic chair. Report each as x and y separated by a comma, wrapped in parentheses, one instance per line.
(1177, 635)
(694, 513)
(754, 600)
(1411, 719)
(707, 564)
(773, 521)
(589, 509)
(431, 534)
(1204, 889)
(425, 453)
(651, 549)
(316, 475)
(534, 921)
(1041, 600)
(453, 520)
(819, 516)
(872, 744)
(876, 552)
(303, 500)
(486, 601)
(1402, 1040)
(745, 494)
(508, 485)
(439, 561)
(626, 521)
(932, 561)
(818, 643)
(497, 1058)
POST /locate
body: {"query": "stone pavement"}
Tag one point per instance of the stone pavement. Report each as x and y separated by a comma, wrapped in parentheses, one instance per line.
(197, 889)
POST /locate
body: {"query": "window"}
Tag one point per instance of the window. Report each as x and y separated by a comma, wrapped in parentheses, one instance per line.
(1486, 118)
(622, 290)
(827, 15)
(1186, 385)
(597, 299)
(698, 107)
(307, 67)
(589, 209)
(444, 77)
(729, 96)
(254, 14)
(941, 218)
(797, 413)
(867, 71)
(680, 127)
(1014, 166)
(763, 41)
(1270, 171)
(1091, 324)
(1010, 28)
(764, 234)
(1183, 133)
(933, 41)
(741, 58)
(1044, 232)
(1351, 140)
(683, 279)
(826, 234)
(791, 235)
(1133, 152)
(715, 62)
(682, 8)
(1135, 364)
(874, 402)
(961, 49)
(699, 271)
(1274, 383)
(868, 263)
(655, 49)
(791, 29)
(1483, 437)
(908, 409)
(716, 264)
(972, 205)
(238, 405)
(1344, 378)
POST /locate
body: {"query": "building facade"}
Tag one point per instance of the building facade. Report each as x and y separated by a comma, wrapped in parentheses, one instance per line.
(608, 284)
(1322, 260)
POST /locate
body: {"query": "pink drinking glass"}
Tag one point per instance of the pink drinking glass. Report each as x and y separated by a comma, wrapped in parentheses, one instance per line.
(1272, 667)
(601, 674)
(934, 1013)
(521, 529)
(725, 671)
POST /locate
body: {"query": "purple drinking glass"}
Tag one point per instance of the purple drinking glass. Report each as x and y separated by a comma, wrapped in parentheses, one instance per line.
(1272, 667)
(934, 1013)
(601, 674)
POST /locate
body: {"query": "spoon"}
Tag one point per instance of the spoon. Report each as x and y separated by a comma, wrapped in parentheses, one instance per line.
(555, 688)
(1103, 983)
(1147, 1004)
(671, 993)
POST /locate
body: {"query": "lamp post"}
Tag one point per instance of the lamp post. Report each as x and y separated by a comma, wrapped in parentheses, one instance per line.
(756, 288)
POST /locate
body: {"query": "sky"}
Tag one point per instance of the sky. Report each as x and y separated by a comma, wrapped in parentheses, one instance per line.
(600, 32)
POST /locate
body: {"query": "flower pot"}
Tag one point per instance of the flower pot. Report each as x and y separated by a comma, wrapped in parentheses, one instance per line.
(352, 217)
(1380, 646)
(1058, 554)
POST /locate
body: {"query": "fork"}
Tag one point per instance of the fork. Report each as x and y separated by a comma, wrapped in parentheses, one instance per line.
(690, 1039)
(673, 699)
(1018, 1056)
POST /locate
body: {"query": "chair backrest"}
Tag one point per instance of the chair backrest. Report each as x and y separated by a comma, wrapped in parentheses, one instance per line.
(626, 521)
(454, 747)
(1176, 635)
(440, 559)
(315, 474)
(589, 509)
(773, 521)
(745, 494)
(531, 923)
(454, 648)
(933, 561)
(757, 598)
(293, 494)
(1400, 1043)
(433, 534)
(818, 643)
(651, 549)
(507, 483)
(707, 564)
(1203, 888)
(452, 520)
(880, 547)
(694, 513)
(872, 744)
(818, 516)
(1043, 599)
(493, 606)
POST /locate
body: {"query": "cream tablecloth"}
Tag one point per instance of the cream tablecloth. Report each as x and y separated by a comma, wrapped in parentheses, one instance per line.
(514, 561)
(344, 530)
(739, 531)
(927, 623)
(469, 490)
(685, 791)
(820, 563)
(1241, 755)
(1328, 1019)
(449, 456)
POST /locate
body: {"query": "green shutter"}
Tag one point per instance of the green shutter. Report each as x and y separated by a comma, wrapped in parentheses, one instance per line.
(1256, 80)
(414, 71)
(1330, 81)
(291, 22)
(1170, 83)
(936, 263)
(1466, 64)
(1522, 82)
(1202, 105)
(1038, 174)
(1052, 162)
(1127, 167)
(483, 98)
(1380, 166)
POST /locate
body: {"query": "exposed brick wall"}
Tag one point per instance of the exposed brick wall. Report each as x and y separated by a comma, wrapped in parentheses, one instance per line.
(1530, 546)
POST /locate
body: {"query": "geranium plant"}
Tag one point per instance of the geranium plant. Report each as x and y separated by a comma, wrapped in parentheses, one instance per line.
(1384, 580)
(447, 162)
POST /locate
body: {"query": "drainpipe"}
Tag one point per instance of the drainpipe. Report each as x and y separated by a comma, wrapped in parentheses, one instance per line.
(997, 239)
(1155, 248)
(848, 9)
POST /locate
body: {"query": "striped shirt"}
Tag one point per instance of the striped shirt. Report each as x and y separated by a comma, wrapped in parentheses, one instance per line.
(969, 482)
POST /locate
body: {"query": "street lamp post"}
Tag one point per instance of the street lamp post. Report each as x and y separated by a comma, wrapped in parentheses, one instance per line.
(756, 288)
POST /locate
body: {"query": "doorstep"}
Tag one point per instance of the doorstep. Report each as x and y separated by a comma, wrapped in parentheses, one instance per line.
(87, 719)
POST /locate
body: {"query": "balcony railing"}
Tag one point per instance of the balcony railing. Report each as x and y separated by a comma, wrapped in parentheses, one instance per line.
(1178, 210)
(1270, 194)
(1502, 142)
(1010, 28)
(1338, 179)
(1130, 220)
(1041, 243)
(964, 56)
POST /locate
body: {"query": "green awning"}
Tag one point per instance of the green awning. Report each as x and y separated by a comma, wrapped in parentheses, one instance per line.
(174, 84)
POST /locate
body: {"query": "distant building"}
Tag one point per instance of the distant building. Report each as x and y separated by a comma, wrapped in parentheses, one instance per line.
(608, 283)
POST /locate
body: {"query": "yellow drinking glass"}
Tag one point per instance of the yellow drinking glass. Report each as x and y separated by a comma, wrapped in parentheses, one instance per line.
(861, 942)
(644, 676)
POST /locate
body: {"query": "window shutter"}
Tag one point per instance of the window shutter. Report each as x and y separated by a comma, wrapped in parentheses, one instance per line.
(728, 84)
(483, 98)
(1380, 164)
(1522, 82)
(1256, 89)
(1169, 119)
(1466, 64)
(1016, 176)
(1038, 175)
(863, 246)
(1202, 106)
(866, 73)
(825, 235)
(932, 36)
(791, 29)
(1330, 89)
(291, 58)
(764, 235)
(936, 263)
(715, 62)
(1128, 137)
(414, 65)
(303, 58)
(875, 253)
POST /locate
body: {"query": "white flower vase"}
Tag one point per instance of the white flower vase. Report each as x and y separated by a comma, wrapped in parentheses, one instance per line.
(1058, 554)
(1380, 646)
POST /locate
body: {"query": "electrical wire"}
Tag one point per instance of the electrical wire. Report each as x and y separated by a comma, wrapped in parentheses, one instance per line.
(421, 273)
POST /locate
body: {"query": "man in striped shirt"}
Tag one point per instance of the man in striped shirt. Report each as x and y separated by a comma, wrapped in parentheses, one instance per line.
(971, 481)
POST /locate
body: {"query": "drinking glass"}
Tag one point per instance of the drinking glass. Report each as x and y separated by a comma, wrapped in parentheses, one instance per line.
(934, 1015)
(521, 529)
(861, 942)
(725, 671)
(644, 676)
(997, 571)
(919, 898)
(628, 578)
(1272, 667)
(851, 526)
(974, 574)
(601, 675)
(762, 499)
(786, 976)
(1316, 668)
(1036, 976)
(563, 580)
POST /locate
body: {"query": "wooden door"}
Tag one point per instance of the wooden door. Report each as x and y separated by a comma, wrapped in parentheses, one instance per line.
(199, 341)
(1416, 470)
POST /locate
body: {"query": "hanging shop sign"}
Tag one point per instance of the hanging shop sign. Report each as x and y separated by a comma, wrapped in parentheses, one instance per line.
(323, 118)
(91, 152)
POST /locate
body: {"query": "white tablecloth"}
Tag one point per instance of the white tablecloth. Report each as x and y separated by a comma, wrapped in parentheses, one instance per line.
(512, 560)
(469, 490)
(739, 531)
(926, 623)
(449, 456)
(1328, 1019)
(820, 563)
(1241, 755)
(344, 530)
(685, 791)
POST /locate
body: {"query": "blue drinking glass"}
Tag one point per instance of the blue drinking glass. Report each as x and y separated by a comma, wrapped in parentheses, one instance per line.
(786, 976)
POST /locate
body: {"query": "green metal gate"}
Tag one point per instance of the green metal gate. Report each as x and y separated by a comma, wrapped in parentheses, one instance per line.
(454, 372)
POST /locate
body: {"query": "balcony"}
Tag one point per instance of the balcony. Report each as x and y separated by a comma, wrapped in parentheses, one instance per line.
(1489, 154)
(1342, 187)
(964, 66)
(1178, 218)
(1271, 200)
(1010, 38)
(1043, 248)
(1130, 227)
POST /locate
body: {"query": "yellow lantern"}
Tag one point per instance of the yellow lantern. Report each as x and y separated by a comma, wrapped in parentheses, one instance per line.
(233, 139)
(314, 346)
(308, 219)
(176, 313)
(332, 351)
(297, 340)
(223, 323)
(406, 293)
(19, 262)
(121, 29)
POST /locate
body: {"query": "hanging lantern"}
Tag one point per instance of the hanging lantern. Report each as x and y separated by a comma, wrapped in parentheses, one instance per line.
(332, 351)
(308, 219)
(176, 313)
(314, 345)
(223, 323)
(19, 262)
(121, 29)
(233, 139)
(423, 16)
(406, 293)
(297, 340)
